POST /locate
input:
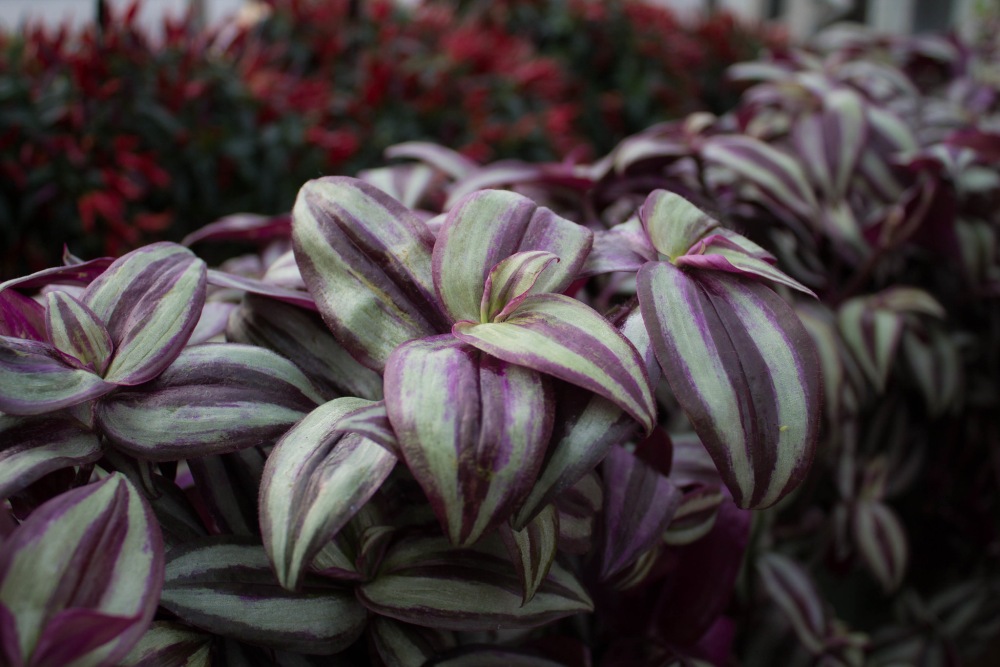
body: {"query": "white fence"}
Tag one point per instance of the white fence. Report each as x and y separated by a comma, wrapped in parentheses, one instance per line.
(801, 16)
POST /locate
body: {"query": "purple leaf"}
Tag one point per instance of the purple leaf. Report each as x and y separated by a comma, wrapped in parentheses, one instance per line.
(624, 247)
(638, 505)
(227, 486)
(409, 184)
(214, 398)
(472, 429)
(35, 379)
(489, 226)
(695, 515)
(35, 446)
(89, 559)
(75, 330)
(21, 316)
(150, 301)
(426, 581)
(560, 336)
(76, 274)
(445, 160)
(224, 585)
(242, 227)
(317, 477)
(366, 259)
(745, 372)
(830, 141)
(294, 297)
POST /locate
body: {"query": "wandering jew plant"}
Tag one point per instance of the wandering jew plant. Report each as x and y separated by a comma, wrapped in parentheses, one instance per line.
(528, 414)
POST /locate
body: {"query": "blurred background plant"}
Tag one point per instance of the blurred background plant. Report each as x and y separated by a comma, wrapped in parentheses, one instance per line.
(110, 139)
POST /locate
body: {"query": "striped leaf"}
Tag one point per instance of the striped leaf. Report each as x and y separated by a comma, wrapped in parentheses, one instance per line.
(881, 540)
(302, 338)
(791, 587)
(21, 316)
(485, 228)
(35, 446)
(872, 335)
(830, 141)
(717, 253)
(444, 159)
(511, 281)
(35, 379)
(150, 301)
(242, 227)
(779, 177)
(933, 358)
(472, 429)
(366, 259)
(214, 398)
(409, 184)
(624, 247)
(695, 515)
(578, 508)
(745, 372)
(316, 478)
(227, 486)
(586, 426)
(560, 336)
(638, 505)
(75, 330)
(168, 644)
(673, 224)
(426, 581)
(532, 549)
(81, 576)
(275, 292)
(404, 645)
(225, 585)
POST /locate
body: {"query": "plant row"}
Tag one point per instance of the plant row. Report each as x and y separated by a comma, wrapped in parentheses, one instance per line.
(110, 137)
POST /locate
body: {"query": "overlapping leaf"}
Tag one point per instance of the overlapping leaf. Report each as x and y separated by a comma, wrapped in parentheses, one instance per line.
(226, 586)
(472, 428)
(35, 446)
(35, 379)
(80, 579)
(426, 581)
(150, 301)
(316, 478)
(214, 398)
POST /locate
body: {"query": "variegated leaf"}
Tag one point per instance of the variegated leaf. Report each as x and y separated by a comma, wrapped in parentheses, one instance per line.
(638, 505)
(227, 486)
(485, 228)
(150, 301)
(81, 576)
(532, 549)
(214, 398)
(578, 509)
(586, 426)
(695, 515)
(673, 224)
(624, 247)
(791, 587)
(366, 259)
(409, 184)
(444, 159)
(35, 446)
(934, 360)
(745, 372)
(225, 585)
(168, 644)
(316, 478)
(560, 336)
(717, 253)
(266, 288)
(35, 379)
(781, 178)
(242, 227)
(302, 338)
(872, 335)
(426, 581)
(404, 645)
(881, 540)
(511, 281)
(472, 429)
(75, 273)
(831, 141)
(75, 330)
